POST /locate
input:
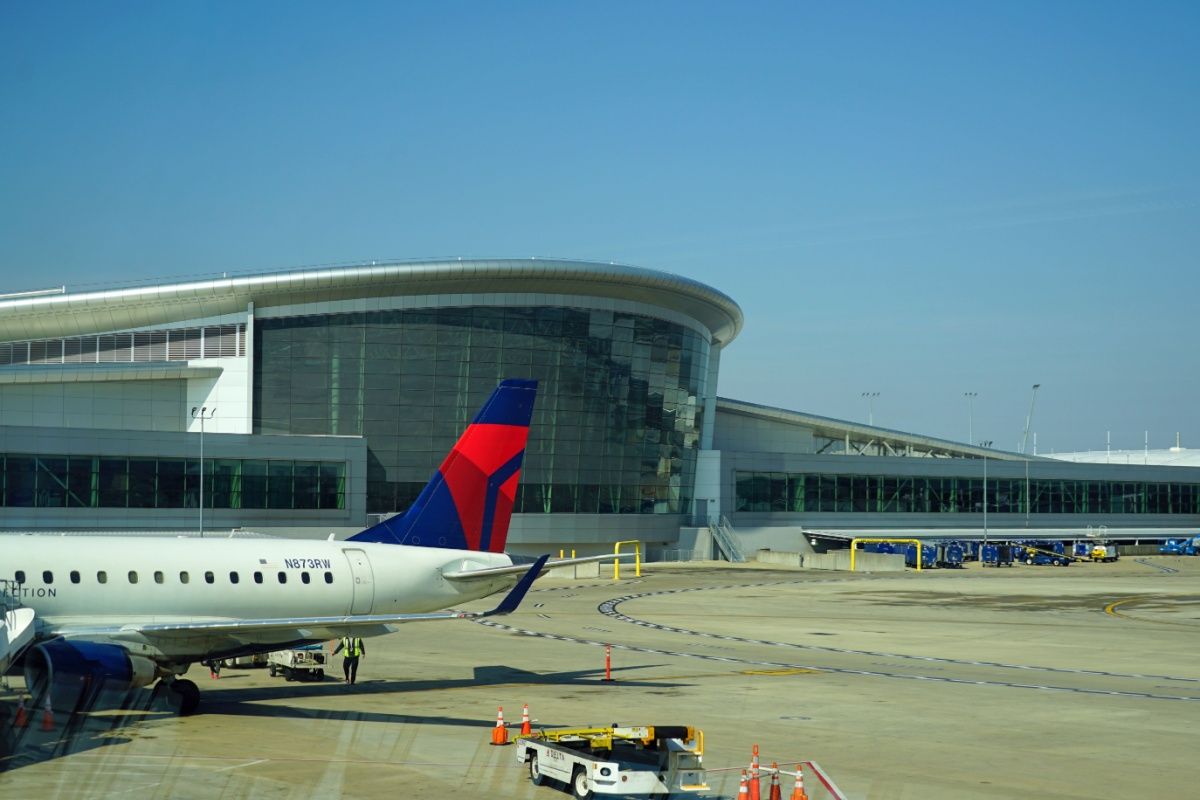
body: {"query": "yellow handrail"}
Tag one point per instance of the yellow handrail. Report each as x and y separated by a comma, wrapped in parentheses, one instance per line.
(854, 548)
(637, 558)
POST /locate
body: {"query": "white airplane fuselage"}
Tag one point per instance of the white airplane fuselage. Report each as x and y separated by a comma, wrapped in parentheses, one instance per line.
(75, 582)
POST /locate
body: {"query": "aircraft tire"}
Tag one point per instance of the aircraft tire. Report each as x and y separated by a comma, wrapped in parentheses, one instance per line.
(187, 694)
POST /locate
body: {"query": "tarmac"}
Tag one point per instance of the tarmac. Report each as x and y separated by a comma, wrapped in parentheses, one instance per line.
(1036, 682)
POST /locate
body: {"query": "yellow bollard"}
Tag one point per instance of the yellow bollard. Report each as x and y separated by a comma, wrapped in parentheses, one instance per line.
(637, 558)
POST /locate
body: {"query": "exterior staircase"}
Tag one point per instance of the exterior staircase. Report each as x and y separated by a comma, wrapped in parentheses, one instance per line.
(725, 540)
(16, 627)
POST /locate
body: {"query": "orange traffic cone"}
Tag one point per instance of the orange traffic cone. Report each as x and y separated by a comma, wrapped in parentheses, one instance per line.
(48, 715)
(500, 733)
(526, 727)
(755, 777)
(743, 789)
(776, 792)
(21, 720)
(798, 792)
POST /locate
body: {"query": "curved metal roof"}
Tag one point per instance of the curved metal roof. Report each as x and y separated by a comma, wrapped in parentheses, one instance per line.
(119, 309)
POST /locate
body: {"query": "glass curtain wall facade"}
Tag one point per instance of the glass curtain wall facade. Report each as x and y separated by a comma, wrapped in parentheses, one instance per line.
(787, 492)
(37, 481)
(616, 425)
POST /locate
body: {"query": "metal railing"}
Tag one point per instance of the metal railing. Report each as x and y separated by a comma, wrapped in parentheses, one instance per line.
(674, 554)
(725, 540)
(10, 598)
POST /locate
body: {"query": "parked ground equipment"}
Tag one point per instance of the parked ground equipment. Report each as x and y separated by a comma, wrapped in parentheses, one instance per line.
(997, 555)
(616, 760)
(256, 660)
(928, 556)
(299, 664)
(1180, 547)
(950, 554)
(1045, 553)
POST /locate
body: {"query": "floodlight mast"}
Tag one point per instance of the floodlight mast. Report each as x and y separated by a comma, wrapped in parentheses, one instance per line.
(1029, 417)
(202, 413)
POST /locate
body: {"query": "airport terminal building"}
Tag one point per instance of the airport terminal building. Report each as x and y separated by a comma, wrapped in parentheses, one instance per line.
(316, 401)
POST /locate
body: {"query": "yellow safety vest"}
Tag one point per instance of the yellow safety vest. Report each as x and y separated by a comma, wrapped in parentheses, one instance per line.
(351, 647)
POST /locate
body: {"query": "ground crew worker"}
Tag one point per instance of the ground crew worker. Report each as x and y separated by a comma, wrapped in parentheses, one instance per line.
(353, 649)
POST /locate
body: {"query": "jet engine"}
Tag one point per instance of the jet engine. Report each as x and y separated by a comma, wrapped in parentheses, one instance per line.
(76, 672)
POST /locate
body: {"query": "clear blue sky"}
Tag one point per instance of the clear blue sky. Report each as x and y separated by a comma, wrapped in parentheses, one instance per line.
(918, 199)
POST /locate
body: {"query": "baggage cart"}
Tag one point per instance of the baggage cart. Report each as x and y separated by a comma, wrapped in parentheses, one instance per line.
(300, 663)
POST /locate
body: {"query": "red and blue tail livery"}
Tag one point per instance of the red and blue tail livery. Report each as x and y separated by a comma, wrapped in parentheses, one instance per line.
(468, 503)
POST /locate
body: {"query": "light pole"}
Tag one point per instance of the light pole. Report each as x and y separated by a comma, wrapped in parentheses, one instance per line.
(870, 406)
(988, 443)
(1029, 417)
(970, 415)
(202, 413)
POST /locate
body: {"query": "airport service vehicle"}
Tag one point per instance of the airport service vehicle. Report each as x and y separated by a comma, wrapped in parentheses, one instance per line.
(1044, 553)
(950, 555)
(1180, 547)
(996, 555)
(1102, 551)
(118, 613)
(305, 663)
(255, 660)
(928, 556)
(616, 760)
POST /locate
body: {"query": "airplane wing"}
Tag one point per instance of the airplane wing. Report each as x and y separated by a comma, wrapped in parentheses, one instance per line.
(516, 569)
(302, 627)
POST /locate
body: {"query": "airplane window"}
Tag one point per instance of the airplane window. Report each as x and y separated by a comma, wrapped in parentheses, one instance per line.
(209, 577)
(133, 576)
(101, 577)
(283, 577)
(304, 577)
(47, 577)
(183, 577)
(233, 577)
(329, 577)
(20, 576)
(74, 576)
(158, 576)
(258, 577)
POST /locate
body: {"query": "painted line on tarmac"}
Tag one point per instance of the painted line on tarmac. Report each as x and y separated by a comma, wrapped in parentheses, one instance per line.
(1111, 609)
(609, 609)
(206, 762)
(1158, 567)
(835, 670)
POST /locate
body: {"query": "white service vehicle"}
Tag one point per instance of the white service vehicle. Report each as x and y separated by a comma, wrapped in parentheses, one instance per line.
(633, 760)
(300, 663)
(255, 660)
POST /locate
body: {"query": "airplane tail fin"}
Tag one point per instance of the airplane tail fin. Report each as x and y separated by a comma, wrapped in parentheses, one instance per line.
(468, 502)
